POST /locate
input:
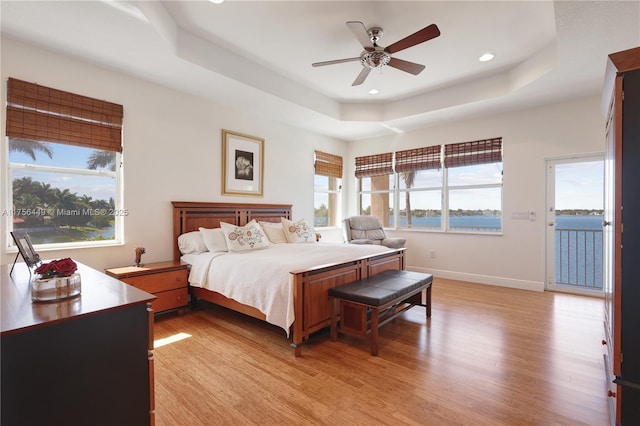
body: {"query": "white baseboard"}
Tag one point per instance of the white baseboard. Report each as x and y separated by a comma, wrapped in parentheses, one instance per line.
(483, 279)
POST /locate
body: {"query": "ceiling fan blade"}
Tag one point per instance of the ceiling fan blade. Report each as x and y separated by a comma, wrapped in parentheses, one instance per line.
(361, 77)
(406, 66)
(427, 33)
(360, 31)
(337, 61)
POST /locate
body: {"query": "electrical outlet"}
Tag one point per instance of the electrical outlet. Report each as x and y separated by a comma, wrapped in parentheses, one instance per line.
(432, 254)
(532, 215)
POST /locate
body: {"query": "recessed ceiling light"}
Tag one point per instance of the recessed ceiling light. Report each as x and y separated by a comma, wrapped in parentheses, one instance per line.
(374, 91)
(486, 57)
(216, 1)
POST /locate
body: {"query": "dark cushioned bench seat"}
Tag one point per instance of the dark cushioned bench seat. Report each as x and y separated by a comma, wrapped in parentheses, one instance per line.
(367, 304)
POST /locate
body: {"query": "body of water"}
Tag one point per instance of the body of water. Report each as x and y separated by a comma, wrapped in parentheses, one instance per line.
(493, 223)
(578, 251)
(55, 235)
(578, 244)
(471, 223)
(579, 222)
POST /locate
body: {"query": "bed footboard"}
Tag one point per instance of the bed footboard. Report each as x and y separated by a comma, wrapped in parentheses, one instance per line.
(311, 289)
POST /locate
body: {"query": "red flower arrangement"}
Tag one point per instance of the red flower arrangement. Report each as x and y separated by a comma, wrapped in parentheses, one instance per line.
(57, 268)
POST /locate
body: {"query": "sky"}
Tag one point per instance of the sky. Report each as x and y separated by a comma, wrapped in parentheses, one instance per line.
(63, 156)
(579, 185)
(465, 199)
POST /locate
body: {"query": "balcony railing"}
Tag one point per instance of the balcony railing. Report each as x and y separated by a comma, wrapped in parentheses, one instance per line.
(578, 260)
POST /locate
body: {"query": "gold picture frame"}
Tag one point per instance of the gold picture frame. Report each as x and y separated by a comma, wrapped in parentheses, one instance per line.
(242, 164)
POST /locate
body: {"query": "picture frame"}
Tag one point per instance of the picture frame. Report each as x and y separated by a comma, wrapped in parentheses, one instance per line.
(25, 248)
(242, 164)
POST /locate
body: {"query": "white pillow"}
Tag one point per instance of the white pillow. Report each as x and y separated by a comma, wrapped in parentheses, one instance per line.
(191, 243)
(298, 232)
(243, 238)
(274, 231)
(214, 239)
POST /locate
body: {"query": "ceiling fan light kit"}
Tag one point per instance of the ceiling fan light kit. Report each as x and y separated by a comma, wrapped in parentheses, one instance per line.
(375, 59)
(375, 56)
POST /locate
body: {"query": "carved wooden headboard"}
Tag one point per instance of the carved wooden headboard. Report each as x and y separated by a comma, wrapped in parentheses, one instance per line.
(192, 215)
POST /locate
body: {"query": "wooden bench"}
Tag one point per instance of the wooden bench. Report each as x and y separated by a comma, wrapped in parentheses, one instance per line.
(367, 304)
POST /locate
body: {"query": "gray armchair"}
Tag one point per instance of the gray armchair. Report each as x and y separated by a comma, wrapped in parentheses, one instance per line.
(368, 230)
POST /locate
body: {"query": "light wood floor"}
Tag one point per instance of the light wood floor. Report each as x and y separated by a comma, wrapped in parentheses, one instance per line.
(488, 356)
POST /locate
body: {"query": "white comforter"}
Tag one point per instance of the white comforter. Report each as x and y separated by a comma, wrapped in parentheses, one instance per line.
(262, 278)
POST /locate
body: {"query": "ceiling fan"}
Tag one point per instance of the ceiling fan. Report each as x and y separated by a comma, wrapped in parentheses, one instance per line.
(375, 56)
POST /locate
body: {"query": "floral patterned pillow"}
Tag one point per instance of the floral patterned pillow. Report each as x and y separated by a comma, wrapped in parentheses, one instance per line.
(298, 232)
(243, 238)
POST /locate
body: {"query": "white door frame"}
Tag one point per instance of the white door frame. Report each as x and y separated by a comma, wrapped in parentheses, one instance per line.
(550, 216)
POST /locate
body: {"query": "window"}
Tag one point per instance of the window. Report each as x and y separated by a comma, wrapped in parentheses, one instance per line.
(455, 187)
(376, 186)
(420, 188)
(64, 166)
(327, 186)
(474, 185)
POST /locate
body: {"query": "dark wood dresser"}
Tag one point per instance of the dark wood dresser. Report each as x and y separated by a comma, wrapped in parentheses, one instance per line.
(621, 236)
(81, 361)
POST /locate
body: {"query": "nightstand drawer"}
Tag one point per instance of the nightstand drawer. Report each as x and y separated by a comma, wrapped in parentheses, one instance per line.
(170, 300)
(153, 283)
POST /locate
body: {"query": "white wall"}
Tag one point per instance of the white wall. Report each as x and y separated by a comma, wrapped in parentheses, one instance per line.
(172, 151)
(516, 258)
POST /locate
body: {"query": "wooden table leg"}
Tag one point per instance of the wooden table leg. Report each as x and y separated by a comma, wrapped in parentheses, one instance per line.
(429, 301)
(334, 320)
(374, 331)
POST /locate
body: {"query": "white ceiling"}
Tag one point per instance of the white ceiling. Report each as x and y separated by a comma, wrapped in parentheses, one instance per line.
(256, 55)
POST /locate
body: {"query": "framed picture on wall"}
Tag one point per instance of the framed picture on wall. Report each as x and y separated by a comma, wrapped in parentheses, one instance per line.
(242, 164)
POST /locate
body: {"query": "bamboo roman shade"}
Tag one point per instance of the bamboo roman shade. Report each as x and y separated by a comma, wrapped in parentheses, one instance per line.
(472, 153)
(41, 113)
(328, 165)
(412, 160)
(374, 165)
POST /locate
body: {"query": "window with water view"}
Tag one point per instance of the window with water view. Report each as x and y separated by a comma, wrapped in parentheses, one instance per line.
(463, 193)
(64, 166)
(327, 183)
(63, 193)
(576, 238)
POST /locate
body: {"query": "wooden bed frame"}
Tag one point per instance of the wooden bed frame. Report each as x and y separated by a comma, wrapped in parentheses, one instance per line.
(310, 286)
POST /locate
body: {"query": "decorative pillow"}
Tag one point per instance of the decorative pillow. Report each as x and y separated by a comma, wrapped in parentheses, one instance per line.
(214, 239)
(191, 243)
(274, 231)
(243, 238)
(298, 232)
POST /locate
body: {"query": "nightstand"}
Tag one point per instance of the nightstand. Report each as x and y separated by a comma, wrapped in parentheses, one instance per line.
(165, 280)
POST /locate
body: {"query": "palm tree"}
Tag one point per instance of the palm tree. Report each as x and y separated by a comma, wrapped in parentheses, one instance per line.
(46, 194)
(102, 159)
(66, 201)
(30, 147)
(409, 178)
